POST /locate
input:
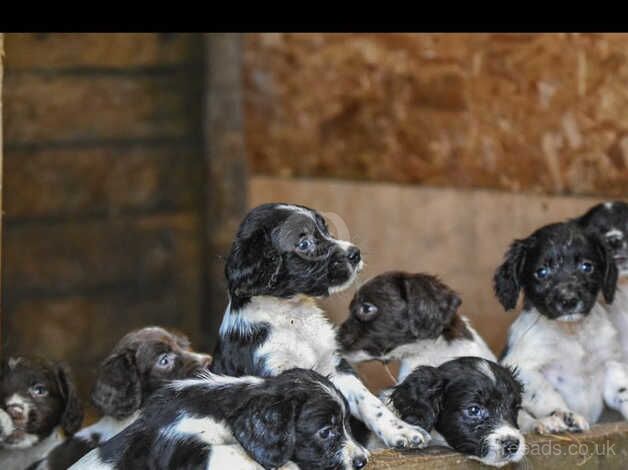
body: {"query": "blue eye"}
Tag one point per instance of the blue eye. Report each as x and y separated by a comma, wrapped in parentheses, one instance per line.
(586, 267)
(39, 390)
(475, 411)
(305, 245)
(325, 433)
(542, 273)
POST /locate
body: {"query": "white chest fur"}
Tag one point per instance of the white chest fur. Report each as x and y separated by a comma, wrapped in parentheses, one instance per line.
(22, 458)
(618, 314)
(300, 335)
(570, 355)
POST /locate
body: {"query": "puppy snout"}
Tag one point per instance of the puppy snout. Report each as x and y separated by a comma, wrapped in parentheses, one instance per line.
(359, 461)
(568, 303)
(16, 411)
(510, 446)
(354, 256)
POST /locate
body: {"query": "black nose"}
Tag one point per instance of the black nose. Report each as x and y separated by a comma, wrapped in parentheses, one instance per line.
(568, 303)
(510, 446)
(359, 462)
(353, 255)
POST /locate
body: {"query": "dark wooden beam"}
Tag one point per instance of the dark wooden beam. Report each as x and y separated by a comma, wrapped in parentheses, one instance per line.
(1, 190)
(226, 170)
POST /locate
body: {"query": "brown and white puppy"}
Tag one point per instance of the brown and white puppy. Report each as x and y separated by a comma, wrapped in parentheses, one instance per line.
(139, 364)
(38, 407)
(408, 317)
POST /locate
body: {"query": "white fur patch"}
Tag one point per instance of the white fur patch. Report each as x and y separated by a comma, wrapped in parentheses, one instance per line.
(204, 429)
(496, 456)
(14, 361)
(485, 369)
(211, 381)
(105, 428)
(232, 457)
(91, 461)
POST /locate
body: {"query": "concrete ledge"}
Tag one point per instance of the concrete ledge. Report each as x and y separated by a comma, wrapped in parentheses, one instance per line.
(604, 447)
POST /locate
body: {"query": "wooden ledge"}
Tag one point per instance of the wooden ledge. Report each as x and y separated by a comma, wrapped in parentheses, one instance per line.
(605, 446)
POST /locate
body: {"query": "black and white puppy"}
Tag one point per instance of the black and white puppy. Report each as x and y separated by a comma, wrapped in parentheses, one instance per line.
(283, 257)
(219, 422)
(563, 344)
(140, 363)
(408, 317)
(38, 408)
(610, 221)
(470, 404)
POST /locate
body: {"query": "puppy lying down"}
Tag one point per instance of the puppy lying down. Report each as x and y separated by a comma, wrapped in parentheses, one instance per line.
(470, 404)
(410, 317)
(217, 422)
(39, 407)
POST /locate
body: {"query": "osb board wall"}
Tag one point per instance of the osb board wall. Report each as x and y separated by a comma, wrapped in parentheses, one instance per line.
(103, 176)
(542, 113)
(459, 235)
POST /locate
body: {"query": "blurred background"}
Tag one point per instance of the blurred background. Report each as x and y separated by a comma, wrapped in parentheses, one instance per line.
(129, 160)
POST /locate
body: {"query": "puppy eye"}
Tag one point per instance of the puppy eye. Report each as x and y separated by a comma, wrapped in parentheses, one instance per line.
(164, 361)
(475, 412)
(542, 273)
(38, 390)
(305, 244)
(367, 311)
(325, 433)
(586, 267)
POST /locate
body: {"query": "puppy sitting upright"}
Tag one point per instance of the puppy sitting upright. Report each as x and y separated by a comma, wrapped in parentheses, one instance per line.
(140, 363)
(562, 343)
(38, 408)
(410, 317)
(610, 222)
(283, 257)
(471, 405)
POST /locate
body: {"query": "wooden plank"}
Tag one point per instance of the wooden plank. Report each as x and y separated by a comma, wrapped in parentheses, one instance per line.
(27, 51)
(227, 195)
(140, 253)
(101, 180)
(69, 108)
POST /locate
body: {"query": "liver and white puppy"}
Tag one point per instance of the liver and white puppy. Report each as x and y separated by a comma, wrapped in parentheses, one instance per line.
(283, 257)
(610, 221)
(38, 408)
(563, 344)
(410, 317)
(470, 404)
(141, 362)
(220, 422)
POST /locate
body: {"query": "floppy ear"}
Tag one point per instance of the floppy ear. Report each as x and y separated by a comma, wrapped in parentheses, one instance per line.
(118, 390)
(418, 398)
(431, 306)
(73, 411)
(609, 269)
(252, 265)
(265, 428)
(507, 279)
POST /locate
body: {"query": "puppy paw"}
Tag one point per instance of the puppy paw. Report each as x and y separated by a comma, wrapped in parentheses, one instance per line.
(6, 424)
(561, 421)
(399, 434)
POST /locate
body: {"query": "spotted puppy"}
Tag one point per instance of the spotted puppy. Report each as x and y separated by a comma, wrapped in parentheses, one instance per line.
(220, 422)
(610, 222)
(141, 362)
(563, 344)
(282, 259)
(409, 317)
(470, 404)
(38, 408)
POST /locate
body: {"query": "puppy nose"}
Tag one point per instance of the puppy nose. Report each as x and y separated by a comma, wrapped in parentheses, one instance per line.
(568, 303)
(510, 446)
(359, 462)
(15, 411)
(353, 255)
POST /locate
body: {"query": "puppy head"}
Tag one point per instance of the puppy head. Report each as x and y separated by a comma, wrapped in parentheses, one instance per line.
(298, 416)
(281, 250)
(473, 403)
(610, 222)
(38, 396)
(393, 309)
(139, 364)
(561, 269)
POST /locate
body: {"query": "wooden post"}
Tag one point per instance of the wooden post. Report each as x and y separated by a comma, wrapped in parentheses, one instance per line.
(1, 146)
(226, 166)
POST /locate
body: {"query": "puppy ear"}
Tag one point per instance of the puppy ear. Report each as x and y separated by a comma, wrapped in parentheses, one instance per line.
(252, 265)
(73, 410)
(609, 269)
(431, 306)
(265, 428)
(118, 391)
(507, 279)
(418, 398)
